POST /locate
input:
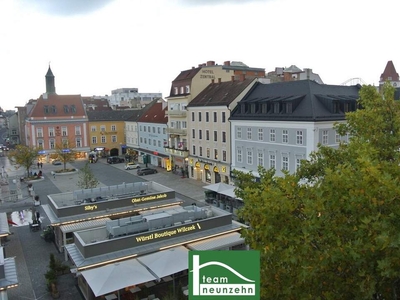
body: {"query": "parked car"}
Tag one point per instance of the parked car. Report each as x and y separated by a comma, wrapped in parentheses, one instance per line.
(146, 171)
(56, 162)
(131, 166)
(115, 160)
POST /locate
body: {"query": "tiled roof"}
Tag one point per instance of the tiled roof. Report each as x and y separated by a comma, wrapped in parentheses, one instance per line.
(155, 114)
(310, 102)
(187, 74)
(220, 93)
(56, 103)
(390, 71)
(96, 104)
(113, 115)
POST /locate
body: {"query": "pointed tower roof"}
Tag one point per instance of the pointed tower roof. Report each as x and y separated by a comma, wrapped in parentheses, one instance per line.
(49, 72)
(50, 85)
(390, 72)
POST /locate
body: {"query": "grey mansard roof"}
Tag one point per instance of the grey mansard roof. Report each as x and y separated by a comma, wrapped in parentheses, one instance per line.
(302, 100)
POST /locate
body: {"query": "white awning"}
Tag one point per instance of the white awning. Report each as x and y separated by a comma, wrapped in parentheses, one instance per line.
(166, 262)
(84, 225)
(116, 276)
(218, 187)
(218, 242)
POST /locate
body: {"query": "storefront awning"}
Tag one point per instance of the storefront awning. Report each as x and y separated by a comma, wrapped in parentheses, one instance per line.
(223, 189)
(116, 276)
(217, 243)
(166, 262)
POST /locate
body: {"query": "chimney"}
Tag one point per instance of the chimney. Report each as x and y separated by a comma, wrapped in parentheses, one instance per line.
(200, 65)
(233, 78)
(242, 77)
(219, 80)
(212, 81)
(210, 63)
(227, 63)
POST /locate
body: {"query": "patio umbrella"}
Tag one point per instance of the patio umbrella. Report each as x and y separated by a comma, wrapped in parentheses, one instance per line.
(218, 187)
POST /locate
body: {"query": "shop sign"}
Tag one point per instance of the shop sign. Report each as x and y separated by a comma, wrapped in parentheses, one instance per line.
(99, 149)
(215, 169)
(197, 165)
(206, 167)
(149, 198)
(223, 169)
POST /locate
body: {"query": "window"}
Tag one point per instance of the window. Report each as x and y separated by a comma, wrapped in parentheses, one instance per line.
(51, 131)
(94, 139)
(46, 109)
(260, 158)
(187, 89)
(207, 135)
(215, 153)
(215, 136)
(102, 128)
(272, 136)
(148, 129)
(113, 128)
(77, 130)
(154, 142)
(299, 137)
(239, 155)
(145, 128)
(223, 136)
(249, 133)
(154, 129)
(249, 156)
(272, 161)
(40, 144)
(93, 128)
(201, 151)
(298, 162)
(208, 152)
(114, 138)
(13, 131)
(65, 143)
(52, 144)
(192, 116)
(181, 89)
(53, 109)
(285, 163)
(164, 131)
(223, 117)
(141, 140)
(66, 109)
(239, 133)
(193, 133)
(194, 150)
(159, 143)
(175, 90)
(78, 142)
(199, 116)
(207, 116)
(215, 116)
(337, 137)
(285, 136)
(64, 131)
(39, 132)
(260, 134)
(73, 108)
(103, 139)
(324, 137)
(158, 130)
(145, 140)
(223, 155)
(184, 124)
(200, 134)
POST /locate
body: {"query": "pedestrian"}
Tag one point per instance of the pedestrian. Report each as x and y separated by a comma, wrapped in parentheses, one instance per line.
(41, 165)
(54, 174)
(38, 164)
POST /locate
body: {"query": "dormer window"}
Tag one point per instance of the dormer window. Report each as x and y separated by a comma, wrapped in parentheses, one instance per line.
(288, 107)
(187, 88)
(336, 107)
(253, 108)
(46, 109)
(66, 109)
(264, 108)
(181, 89)
(276, 108)
(53, 109)
(243, 108)
(175, 90)
(73, 108)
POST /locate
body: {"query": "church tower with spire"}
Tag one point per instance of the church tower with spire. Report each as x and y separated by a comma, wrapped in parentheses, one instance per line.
(50, 86)
(389, 74)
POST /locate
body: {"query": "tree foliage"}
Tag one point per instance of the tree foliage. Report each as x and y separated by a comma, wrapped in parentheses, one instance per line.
(87, 180)
(64, 153)
(23, 156)
(332, 230)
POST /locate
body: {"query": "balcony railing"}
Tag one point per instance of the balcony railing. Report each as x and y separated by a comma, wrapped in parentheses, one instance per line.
(177, 152)
(177, 131)
(176, 113)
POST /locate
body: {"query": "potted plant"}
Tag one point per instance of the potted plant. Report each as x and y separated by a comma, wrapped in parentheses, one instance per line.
(51, 278)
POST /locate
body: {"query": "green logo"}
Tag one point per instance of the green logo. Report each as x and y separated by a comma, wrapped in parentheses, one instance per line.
(224, 274)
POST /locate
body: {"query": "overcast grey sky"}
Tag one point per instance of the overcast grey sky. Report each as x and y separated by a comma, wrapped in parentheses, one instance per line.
(95, 46)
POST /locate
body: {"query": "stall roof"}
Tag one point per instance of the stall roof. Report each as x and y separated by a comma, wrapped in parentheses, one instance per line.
(4, 227)
(219, 242)
(84, 225)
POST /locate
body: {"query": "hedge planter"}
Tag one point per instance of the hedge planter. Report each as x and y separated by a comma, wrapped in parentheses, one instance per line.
(65, 172)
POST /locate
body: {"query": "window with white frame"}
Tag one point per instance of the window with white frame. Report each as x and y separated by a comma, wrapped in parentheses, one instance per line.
(272, 161)
(78, 142)
(40, 143)
(150, 142)
(207, 135)
(77, 130)
(154, 142)
(194, 150)
(51, 131)
(325, 137)
(299, 137)
(223, 155)
(239, 132)
(223, 117)
(208, 152)
(154, 129)
(184, 124)
(298, 162)
(200, 134)
(207, 116)
(215, 136)
(239, 155)
(215, 153)
(93, 128)
(249, 133)
(52, 144)
(113, 128)
(285, 162)
(94, 139)
(260, 158)
(337, 137)
(145, 140)
(141, 140)
(192, 116)
(187, 89)
(103, 139)
(193, 133)
(249, 156)
(65, 143)
(164, 130)
(223, 136)
(114, 138)
(39, 132)
(285, 136)
(158, 130)
(199, 116)
(64, 131)
(148, 129)
(272, 135)
(215, 116)
(102, 128)
(159, 143)
(175, 90)
(260, 134)
(172, 125)
(201, 151)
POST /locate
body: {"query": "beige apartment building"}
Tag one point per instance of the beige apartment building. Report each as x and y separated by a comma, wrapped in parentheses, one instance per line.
(185, 87)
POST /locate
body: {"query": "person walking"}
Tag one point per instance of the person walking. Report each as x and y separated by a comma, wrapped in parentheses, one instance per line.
(38, 165)
(41, 165)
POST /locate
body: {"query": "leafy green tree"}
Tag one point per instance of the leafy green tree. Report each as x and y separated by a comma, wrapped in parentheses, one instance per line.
(23, 156)
(87, 180)
(332, 230)
(65, 153)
